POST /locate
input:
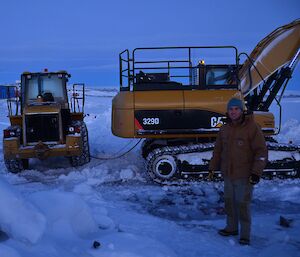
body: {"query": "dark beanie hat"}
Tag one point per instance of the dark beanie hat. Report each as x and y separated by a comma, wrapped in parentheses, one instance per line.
(235, 102)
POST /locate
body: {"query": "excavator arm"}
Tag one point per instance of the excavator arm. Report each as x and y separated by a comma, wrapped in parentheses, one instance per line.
(273, 58)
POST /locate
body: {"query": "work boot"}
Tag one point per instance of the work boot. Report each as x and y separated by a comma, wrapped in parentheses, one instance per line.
(224, 232)
(244, 241)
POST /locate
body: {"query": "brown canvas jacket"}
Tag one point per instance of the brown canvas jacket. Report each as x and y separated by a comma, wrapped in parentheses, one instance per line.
(240, 150)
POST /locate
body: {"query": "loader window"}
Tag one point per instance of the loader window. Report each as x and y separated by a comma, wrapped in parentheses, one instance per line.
(32, 90)
(50, 87)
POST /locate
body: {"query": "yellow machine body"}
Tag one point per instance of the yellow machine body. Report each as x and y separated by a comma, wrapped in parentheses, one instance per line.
(126, 104)
(39, 127)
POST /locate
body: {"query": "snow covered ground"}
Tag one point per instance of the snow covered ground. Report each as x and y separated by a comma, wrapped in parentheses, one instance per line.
(56, 210)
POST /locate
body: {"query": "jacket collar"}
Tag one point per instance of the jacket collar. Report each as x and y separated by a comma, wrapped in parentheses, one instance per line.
(245, 118)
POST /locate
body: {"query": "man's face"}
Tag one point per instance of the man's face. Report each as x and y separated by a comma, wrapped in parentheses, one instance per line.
(234, 113)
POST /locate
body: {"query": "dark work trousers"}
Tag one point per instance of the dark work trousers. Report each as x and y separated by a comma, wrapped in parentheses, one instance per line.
(237, 197)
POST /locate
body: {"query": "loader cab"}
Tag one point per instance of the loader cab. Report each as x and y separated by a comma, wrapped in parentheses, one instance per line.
(44, 88)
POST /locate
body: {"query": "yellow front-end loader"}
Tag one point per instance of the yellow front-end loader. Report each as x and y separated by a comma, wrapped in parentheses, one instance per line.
(43, 123)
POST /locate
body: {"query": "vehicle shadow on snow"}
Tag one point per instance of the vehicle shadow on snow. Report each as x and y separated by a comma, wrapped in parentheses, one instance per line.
(50, 163)
(46, 171)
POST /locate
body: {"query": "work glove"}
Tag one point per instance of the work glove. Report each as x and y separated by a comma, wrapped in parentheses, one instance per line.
(210, 175)
(254, 179)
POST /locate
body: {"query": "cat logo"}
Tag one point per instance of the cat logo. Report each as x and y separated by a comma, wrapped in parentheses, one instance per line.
(216, 122)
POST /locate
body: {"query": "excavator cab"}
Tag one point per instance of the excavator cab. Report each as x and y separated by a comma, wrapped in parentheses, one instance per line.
(224, 76)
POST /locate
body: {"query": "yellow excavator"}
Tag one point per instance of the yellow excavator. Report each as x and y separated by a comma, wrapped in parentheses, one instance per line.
(175, 98)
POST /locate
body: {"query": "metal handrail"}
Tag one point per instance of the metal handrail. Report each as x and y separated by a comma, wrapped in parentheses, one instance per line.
(132, 70)
(74, 101)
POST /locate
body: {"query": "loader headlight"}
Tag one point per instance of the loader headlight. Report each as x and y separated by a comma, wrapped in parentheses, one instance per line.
(71, 129)
(11, 132)
(74, 129)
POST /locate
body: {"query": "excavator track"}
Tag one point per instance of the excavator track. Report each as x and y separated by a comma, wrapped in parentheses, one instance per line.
(168, 165)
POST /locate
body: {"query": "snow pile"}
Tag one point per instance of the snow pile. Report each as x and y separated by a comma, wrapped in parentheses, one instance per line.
(126, 174)
(280, 155)
(90, 195)
(286, 191)
(290, 132)
(18, 218)
(196, 158)
(102, 174)
(67, 214)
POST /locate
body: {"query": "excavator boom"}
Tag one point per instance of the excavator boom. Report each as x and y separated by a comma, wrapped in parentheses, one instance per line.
(280, 48)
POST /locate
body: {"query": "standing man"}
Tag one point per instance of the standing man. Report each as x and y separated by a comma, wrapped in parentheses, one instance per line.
(241, 154)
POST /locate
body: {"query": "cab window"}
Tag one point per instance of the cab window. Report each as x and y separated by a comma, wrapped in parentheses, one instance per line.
(218, 76)
(50, 87)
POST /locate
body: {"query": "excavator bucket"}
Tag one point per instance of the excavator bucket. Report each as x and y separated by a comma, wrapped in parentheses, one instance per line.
(275, 51)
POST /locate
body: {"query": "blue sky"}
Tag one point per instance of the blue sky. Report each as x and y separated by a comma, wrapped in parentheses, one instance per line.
(85, 37)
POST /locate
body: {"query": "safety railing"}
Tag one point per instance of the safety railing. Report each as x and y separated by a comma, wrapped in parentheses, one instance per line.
(77, 97)
(183, 70)
(13, 100)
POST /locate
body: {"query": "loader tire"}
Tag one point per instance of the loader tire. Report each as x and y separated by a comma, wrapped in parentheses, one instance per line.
(16, 165)
(84, 157)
